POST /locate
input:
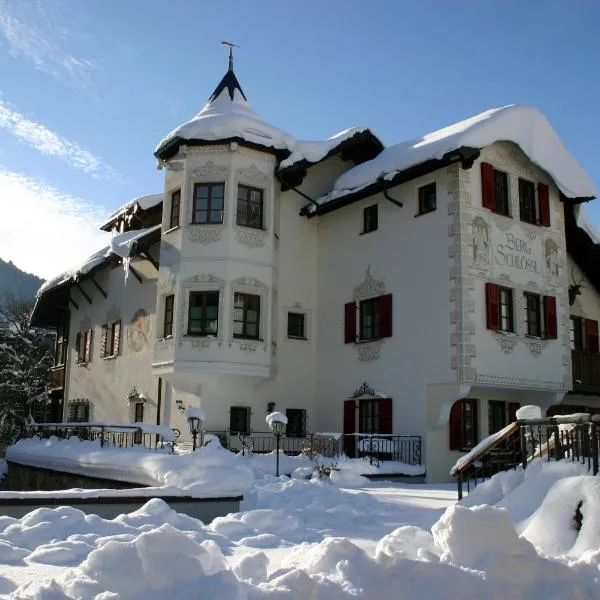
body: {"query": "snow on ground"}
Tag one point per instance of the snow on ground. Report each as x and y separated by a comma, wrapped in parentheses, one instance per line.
(299, 538)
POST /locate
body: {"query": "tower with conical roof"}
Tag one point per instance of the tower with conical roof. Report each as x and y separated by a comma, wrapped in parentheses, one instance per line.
(219, 253)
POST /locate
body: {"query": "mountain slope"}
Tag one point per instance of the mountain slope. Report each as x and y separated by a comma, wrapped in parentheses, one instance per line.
(14, 282)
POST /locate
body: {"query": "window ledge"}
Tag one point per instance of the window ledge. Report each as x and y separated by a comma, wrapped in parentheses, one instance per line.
(370, 231)
(506, 333)
(377, 339)
(172, 229)
(251, 227)
(168, 337)
(297, 338)
(425, 212)
(205, 224)
(110, 357)
(82, 364)
(196, 335)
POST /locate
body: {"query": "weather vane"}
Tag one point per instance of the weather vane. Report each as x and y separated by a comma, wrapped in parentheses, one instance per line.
(231, 46)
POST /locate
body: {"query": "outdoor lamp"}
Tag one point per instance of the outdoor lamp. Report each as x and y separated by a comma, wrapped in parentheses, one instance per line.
(195, 421)
(277, 422)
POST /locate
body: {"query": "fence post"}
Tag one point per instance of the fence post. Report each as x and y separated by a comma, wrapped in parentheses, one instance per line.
(523, 447)
(459, 484)
(102, 436)
(595, 448)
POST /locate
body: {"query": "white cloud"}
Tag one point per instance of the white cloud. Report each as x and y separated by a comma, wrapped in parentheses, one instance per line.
(46, 141)
(43, 230)
(34, 31)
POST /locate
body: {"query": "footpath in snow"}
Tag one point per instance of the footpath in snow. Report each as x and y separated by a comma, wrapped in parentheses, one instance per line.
(516, 536)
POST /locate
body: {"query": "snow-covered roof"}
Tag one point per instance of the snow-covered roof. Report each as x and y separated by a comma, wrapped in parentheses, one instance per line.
(523, 125)
(585, 223)
(223, 118)
(141, 203)
(122, 244)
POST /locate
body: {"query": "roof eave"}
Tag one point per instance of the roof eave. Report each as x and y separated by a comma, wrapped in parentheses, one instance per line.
(465, 155)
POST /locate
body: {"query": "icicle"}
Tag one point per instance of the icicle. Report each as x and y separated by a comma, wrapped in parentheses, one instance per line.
(126, 262)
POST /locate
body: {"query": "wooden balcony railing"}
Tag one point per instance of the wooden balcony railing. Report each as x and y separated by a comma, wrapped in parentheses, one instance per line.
(57, 378)
(586, 371)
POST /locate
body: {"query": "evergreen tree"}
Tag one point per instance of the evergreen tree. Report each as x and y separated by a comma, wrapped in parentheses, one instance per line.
(25, 362)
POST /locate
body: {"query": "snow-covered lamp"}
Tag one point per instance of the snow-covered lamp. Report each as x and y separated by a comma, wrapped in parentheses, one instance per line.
(195, 418)
(277, 422)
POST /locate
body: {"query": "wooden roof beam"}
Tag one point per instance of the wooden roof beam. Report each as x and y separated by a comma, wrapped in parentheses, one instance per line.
(98, 287)
(82, 291)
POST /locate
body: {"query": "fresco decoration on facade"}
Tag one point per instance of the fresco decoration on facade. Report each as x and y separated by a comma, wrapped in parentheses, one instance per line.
(481, 244)
(369, 351)
(138, 331)
(551, 262)
(507, 341)
(369, 287)
(204, 234)
(210, 170)
(535, 345)
(167, 284)
(251, 238)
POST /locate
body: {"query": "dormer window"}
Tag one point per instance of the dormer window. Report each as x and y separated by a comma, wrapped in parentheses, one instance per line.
(250, 207)
(208, 203)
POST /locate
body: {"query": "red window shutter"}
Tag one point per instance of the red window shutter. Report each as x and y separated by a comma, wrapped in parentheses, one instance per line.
(455, 425)
(350, 323)
(349, 426)
(550, 317)
(385, 415)
(78, 347)
(116, 337)
(492, 306)
(544, 202)
(488, 186)
(385, 316)
(591, 334)
(103, 341)
(513, 407)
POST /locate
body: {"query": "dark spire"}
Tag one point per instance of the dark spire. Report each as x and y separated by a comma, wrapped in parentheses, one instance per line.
(229, 81)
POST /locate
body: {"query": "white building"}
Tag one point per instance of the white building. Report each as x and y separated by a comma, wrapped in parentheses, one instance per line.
(420, 289)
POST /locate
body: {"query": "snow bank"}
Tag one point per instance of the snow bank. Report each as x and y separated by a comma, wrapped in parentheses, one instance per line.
(209, 472)
(523, 125)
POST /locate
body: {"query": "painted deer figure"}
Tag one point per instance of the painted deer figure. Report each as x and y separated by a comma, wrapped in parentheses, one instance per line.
(574, 288)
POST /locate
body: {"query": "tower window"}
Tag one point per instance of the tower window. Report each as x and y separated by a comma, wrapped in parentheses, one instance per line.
(250, 207)
(208, 203)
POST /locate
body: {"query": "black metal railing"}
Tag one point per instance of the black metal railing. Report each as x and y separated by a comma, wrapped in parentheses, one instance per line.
(554, 438)
(109, 435)
(375, 447)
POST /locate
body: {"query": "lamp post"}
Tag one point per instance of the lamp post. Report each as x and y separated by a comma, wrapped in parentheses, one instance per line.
(277, 422)
(195, 419)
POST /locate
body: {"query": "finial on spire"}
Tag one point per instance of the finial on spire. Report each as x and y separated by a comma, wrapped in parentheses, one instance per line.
(231, 46)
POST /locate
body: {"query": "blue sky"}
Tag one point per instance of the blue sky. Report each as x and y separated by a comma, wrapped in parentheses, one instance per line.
(87, 89)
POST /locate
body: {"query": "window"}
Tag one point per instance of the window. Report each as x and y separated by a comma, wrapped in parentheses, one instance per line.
(427, 198)
(369, 319)
(138, 412)
(494, 190)
(296, 326)
(203, 315)
(370, 219)
(168, 322)
(175, 209)
(111, 336)
(78, 411)
(296, 425)
(239, 420)
(83, 346)
(368, 416)
(60, 346)
(578, 338)
(208, 203)
(532, 314)
(464, 425)
(527, 201)
(499, 308)
(246, 316)
(373, 318)
(496, 416)
(501, 181)
(250, 207)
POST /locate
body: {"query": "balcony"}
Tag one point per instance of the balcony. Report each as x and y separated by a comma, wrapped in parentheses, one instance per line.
(57, 377)
(586, 372)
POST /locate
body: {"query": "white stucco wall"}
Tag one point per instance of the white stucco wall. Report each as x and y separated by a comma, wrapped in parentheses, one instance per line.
(105, 382)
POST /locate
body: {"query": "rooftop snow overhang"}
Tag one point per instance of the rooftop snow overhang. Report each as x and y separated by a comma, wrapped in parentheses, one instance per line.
(52, 300)
(141, 205)
(465, 156)
(581, 247)
(522, 125)
(359, 147)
